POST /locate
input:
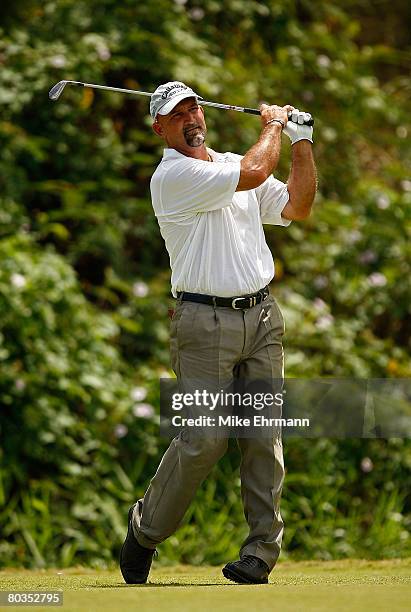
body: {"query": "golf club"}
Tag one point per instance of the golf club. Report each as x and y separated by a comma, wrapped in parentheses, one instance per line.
(57, 89)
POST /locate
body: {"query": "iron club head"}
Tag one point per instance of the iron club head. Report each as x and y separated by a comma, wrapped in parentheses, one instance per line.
(57, 89)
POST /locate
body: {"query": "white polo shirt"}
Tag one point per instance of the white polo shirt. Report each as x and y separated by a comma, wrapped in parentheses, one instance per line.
(213, 234)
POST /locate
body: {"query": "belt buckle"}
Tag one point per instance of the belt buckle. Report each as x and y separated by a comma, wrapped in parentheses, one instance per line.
(234, 301)
(252, 301)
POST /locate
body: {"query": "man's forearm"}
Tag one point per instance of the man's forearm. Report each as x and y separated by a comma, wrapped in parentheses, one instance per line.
(260, 161)
(264, 155)
(302, 182)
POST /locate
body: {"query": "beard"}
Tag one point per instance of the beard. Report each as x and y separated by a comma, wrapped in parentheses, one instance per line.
(195, 135)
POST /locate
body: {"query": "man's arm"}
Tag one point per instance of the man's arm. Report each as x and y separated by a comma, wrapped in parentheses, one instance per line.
(302, 182)
(261, 160)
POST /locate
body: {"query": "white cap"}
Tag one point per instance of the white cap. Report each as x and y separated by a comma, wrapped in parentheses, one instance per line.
(168, 95)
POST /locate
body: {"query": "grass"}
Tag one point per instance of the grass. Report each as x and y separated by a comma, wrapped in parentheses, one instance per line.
(349, 585)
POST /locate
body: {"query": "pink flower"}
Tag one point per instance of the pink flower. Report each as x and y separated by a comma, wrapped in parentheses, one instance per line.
(138, 394)
(319, 304)
(324, 322)
(144, 411)
(18, 280)
(320, 281)
(367, 465)
(20, 384)
(367, 257)
(376, 279)
(383, 201)
(140, 289)
(120, 430)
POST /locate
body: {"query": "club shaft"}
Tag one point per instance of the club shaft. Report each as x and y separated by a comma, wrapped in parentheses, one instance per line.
(136, 92)
(240, 109)
(118, 89)
(57, 89)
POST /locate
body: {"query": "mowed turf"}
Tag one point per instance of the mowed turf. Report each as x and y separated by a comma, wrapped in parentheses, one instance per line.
(333, 585)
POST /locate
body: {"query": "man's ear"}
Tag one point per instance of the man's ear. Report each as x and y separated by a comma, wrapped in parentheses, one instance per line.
(157, 128)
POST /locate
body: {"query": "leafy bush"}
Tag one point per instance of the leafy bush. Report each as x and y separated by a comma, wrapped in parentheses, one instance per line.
(84, 282)
(67, 400)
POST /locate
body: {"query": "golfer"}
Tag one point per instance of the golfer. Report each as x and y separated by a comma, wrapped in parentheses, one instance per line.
(211, 208)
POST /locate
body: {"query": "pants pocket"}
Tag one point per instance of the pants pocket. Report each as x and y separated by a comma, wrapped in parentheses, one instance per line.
(277, 315)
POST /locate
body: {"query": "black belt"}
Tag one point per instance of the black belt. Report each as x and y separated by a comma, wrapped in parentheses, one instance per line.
(238, 303)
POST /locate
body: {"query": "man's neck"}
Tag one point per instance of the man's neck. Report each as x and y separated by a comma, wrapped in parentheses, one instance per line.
(196, 152)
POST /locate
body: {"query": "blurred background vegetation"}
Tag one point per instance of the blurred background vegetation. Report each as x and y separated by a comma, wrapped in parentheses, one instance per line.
(84, 280)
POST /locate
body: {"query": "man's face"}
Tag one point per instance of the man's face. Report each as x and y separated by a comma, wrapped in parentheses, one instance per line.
(183, 127)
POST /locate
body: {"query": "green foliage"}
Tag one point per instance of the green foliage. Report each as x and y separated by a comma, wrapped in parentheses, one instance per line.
(84, 282)
(67, 401)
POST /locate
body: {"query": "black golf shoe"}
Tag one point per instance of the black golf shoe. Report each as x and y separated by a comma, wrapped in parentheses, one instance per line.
(135, 560)
(248, 570)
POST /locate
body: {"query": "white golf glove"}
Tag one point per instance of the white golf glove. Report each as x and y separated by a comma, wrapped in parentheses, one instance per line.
(295, 130)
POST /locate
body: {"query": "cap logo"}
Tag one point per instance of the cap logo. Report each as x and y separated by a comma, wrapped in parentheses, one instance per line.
(172, 89)
(166, 96)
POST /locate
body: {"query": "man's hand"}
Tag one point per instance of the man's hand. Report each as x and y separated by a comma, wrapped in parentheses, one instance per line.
(295, 130)
(274, 114)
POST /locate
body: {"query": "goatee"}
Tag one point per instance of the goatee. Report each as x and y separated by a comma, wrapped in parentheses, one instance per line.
(195, 137)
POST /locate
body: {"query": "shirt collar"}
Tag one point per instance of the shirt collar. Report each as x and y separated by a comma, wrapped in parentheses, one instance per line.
(171, 154)
(174, 154)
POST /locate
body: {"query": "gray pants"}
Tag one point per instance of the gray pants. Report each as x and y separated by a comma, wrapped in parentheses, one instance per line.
(214, 343)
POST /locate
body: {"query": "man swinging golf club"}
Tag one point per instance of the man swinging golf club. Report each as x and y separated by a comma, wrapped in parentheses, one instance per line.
(211, 208)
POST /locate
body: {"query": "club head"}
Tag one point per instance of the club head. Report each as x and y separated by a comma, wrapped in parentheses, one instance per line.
(57, 89)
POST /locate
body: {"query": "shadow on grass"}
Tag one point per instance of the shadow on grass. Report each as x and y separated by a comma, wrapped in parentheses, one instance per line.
(149, 585)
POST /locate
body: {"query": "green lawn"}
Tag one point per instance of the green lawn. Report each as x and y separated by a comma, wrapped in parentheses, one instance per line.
(332, 585)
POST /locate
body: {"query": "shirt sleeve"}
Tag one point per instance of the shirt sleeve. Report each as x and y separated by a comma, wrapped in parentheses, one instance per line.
(272, 196)
(194, 186)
